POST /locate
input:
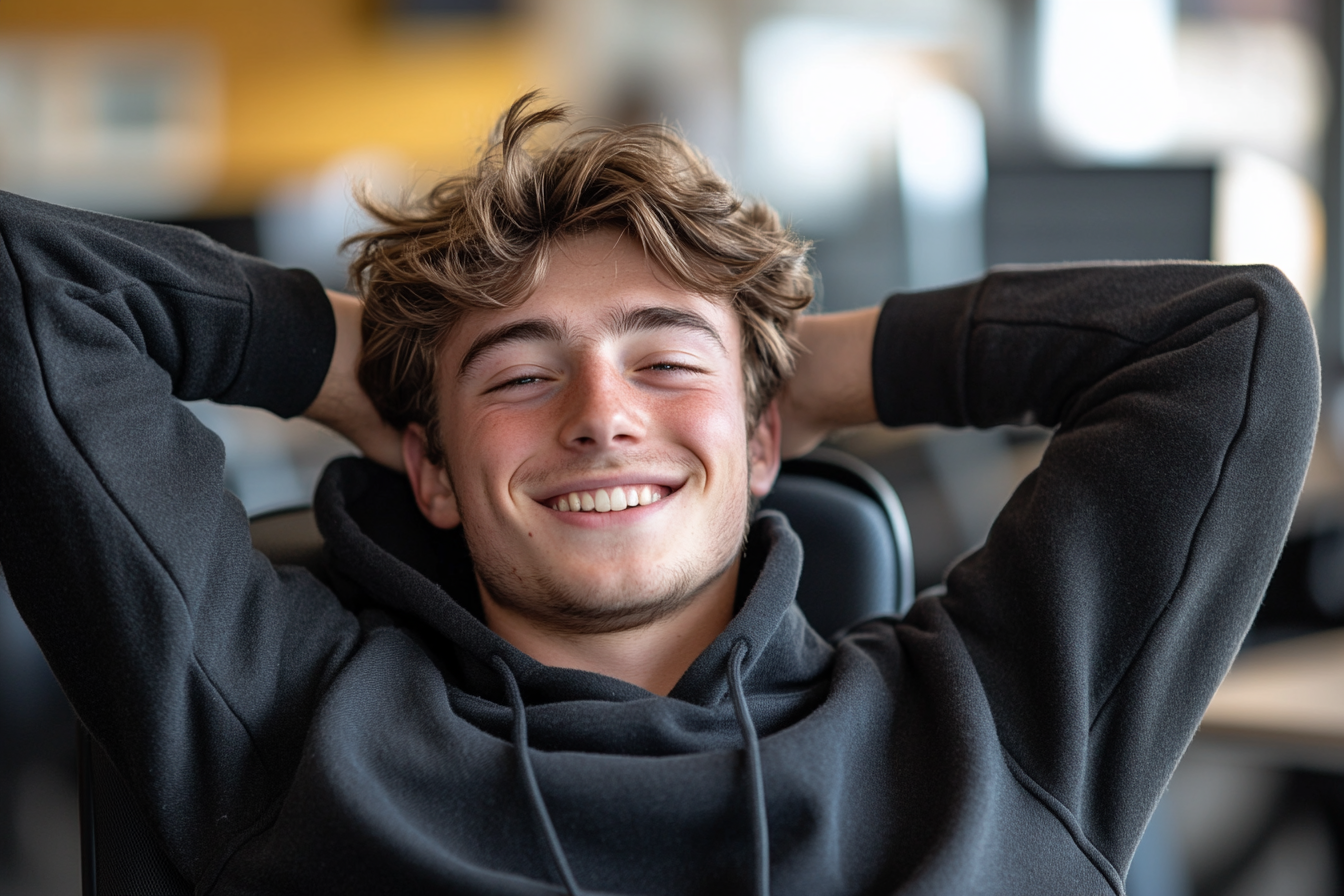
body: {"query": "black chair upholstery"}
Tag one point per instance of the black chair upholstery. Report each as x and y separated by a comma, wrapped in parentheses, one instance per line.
(857, 564)
(121, 854)
(857, 557)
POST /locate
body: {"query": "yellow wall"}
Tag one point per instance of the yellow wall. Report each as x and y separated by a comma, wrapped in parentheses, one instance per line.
(306, 80)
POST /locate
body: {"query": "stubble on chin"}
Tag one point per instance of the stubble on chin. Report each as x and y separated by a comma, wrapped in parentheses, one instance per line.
(567, 607)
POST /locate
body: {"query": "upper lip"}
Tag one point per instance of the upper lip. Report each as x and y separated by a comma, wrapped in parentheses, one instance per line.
(592, 483)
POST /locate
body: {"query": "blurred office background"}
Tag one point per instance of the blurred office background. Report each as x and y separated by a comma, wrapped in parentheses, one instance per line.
(916, 141)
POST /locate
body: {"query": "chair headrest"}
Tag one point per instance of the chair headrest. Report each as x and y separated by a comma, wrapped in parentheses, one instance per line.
(857, 561)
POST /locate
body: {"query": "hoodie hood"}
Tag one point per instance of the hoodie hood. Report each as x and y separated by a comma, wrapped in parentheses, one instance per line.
(383, 554)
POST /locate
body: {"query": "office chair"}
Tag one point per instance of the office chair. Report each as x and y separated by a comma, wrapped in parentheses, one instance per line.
(857, 565)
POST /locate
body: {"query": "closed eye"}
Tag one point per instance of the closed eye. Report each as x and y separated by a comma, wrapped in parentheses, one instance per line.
(673, 367)
(515, 383)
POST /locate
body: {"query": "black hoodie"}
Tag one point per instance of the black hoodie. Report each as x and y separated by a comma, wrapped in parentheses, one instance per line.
(1010, 735)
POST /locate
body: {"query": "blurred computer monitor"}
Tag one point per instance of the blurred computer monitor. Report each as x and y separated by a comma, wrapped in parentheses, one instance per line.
(1041, 215)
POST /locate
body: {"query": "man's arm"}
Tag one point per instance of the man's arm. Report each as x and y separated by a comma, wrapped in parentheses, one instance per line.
(342, 404)
(833, 385)
(187, 655)
(1115, 587)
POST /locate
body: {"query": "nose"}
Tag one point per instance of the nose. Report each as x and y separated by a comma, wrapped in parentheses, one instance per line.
(602, 410)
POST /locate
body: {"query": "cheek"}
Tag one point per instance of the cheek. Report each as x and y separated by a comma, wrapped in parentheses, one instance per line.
(483, 451)
(714, 427)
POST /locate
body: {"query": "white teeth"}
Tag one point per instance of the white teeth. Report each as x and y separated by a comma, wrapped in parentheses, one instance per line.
(604, 500)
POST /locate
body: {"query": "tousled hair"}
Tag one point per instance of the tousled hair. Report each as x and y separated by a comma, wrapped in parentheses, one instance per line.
(481, 241)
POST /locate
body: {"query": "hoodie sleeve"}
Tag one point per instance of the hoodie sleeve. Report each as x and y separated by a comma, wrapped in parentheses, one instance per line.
(131, 564)
(1116, 586)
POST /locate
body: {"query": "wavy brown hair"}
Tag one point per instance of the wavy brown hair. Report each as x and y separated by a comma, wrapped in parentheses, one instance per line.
(481, 240)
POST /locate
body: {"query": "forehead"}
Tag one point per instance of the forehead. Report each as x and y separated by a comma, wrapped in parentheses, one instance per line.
(600, 260)
(592, 283)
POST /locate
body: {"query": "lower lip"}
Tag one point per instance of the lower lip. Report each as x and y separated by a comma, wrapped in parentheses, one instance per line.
(592, 519)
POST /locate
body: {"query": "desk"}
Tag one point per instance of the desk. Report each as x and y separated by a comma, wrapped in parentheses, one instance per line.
(1284, 701)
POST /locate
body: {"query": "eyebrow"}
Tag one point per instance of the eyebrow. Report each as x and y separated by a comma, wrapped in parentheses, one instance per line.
(658, 317)
(536, 330)
(629, 320)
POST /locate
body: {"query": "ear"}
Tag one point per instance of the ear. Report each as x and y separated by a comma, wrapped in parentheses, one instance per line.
(433, 490)
(763, 451)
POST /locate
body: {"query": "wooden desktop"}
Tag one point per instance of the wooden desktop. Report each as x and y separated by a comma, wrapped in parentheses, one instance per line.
(1285, 701)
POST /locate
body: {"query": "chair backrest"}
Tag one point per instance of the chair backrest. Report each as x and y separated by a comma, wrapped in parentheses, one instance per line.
(119, 852)
(857, 557)
(857, 564)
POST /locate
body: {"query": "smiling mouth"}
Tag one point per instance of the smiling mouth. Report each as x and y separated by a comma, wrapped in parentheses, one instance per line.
(608, 500)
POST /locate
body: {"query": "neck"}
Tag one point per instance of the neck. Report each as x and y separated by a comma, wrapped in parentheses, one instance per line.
(653, 656)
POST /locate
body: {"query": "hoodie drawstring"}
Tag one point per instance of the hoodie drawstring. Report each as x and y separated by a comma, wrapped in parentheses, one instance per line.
(542, 817)
(755, 780)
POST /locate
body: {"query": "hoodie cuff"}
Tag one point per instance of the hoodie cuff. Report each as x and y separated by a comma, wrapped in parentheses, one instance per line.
(918, 356)
(290, 341)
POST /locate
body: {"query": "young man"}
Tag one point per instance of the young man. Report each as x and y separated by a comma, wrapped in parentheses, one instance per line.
(561, 693)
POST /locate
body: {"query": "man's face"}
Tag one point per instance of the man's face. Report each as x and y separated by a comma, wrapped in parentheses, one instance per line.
(608, 386)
